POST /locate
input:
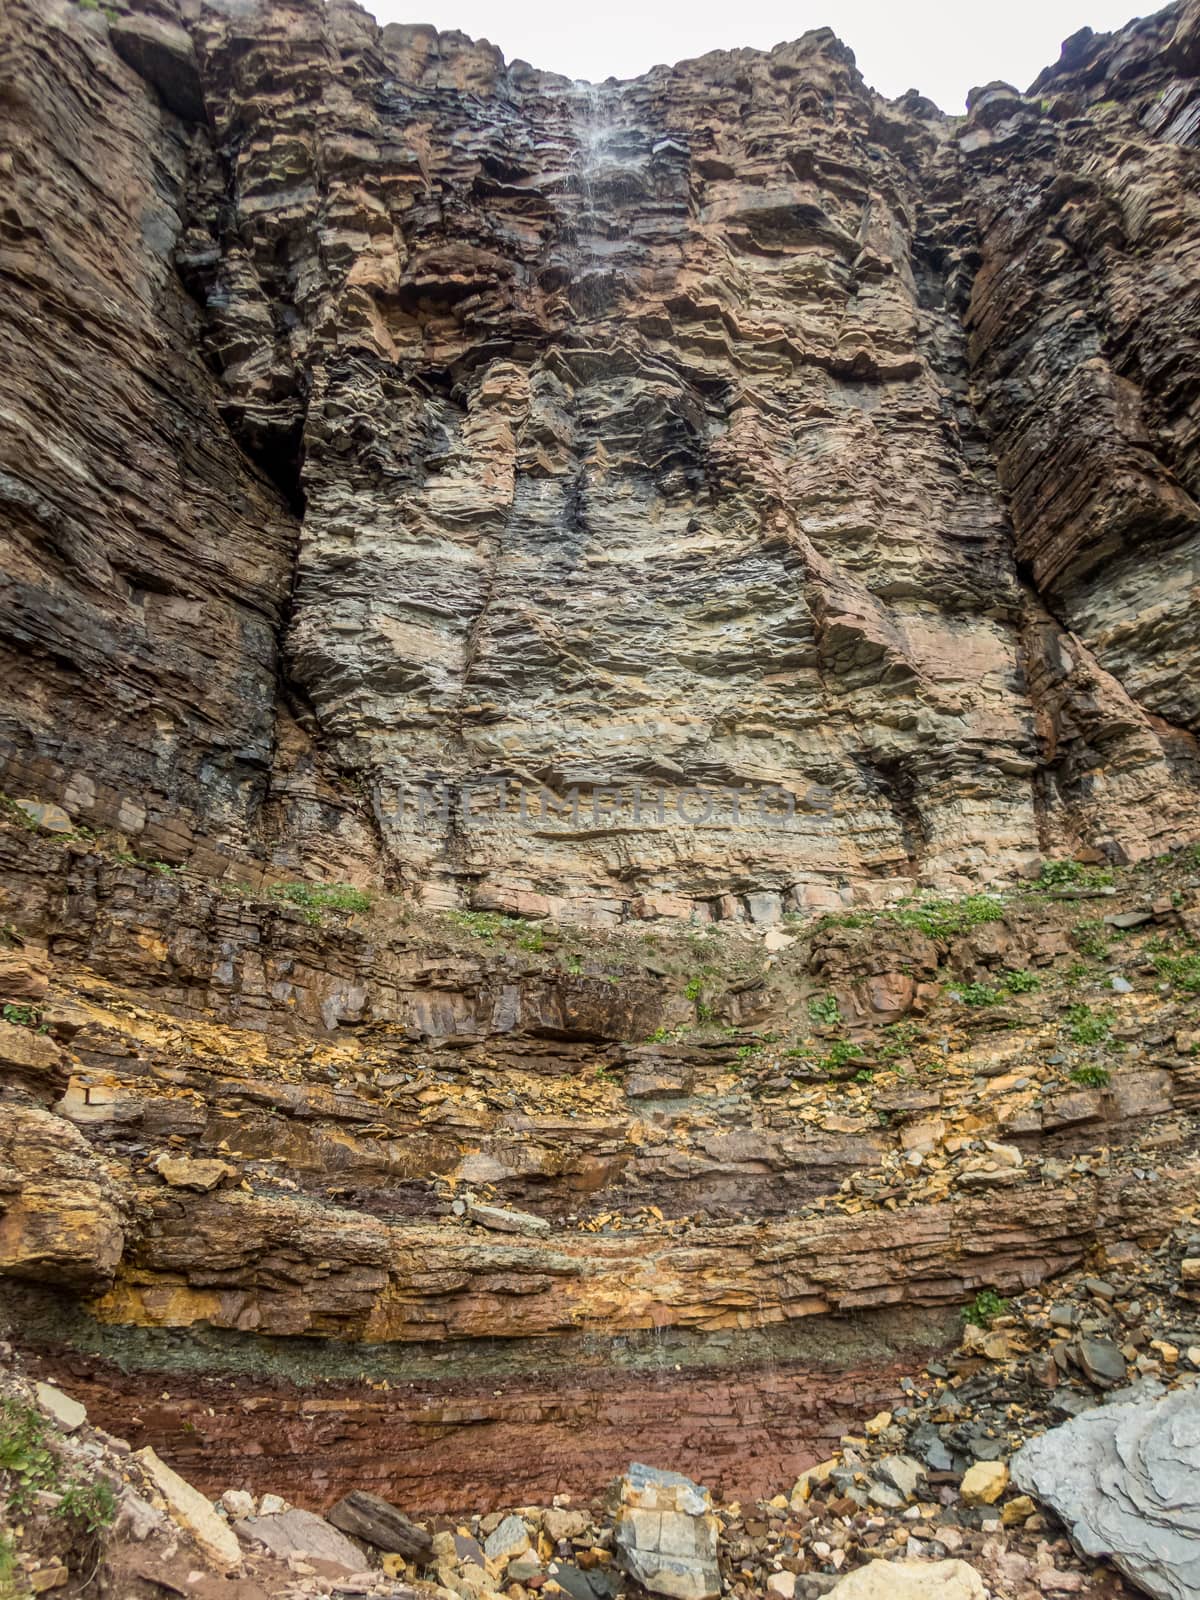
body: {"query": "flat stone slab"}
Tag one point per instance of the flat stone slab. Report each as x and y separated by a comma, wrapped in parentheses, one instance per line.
(302, 1533)
(193, 1512)
(68, 1413)
(911, 1580)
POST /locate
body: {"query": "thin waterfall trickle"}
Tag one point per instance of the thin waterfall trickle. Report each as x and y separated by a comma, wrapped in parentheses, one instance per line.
(608, 154)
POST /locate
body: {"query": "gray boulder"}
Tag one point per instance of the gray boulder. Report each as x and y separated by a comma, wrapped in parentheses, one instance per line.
(1125, 1479)
(666, 1534)
(366, 1516)
(161, 52)
(302, 1533)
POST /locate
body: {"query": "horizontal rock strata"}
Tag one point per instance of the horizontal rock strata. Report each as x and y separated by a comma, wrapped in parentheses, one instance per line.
(401, 418)
(533, 1206)
(789, 498)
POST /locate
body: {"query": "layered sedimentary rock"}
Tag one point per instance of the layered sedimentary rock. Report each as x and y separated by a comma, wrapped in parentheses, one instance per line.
(381, 1182)
(388, 417)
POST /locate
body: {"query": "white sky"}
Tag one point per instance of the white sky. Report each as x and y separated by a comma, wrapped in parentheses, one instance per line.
(941, 47)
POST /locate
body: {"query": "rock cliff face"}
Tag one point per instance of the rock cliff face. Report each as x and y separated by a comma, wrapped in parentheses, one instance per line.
(384, 419)
(390, 416)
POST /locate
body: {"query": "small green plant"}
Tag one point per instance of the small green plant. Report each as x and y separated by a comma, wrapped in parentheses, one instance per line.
(604, 1072)
(534, 940)
(663, 1036)
(1182, 972)
(26, 1459)
(746, 1052)
(824, 1009)
(15, 813)
(1078, 972)
(978, 994)
(1019, 981)
(900, 1038)
(864, 1075)
(21, 1016)
(8, 1569)
(839, 1055)
(1091, 1077)
(1073, 874)
(836, 919)
(984, 1309)
(1086, 1026)
(92, 1505)
(946, 919)
(1088, 937)
(324, 896)
(694, 991)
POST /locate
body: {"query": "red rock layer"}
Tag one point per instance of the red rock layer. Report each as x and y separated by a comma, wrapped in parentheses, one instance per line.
(492, 1443)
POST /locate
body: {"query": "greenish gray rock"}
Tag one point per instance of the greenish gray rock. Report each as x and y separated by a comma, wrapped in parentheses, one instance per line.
(1125, 1479)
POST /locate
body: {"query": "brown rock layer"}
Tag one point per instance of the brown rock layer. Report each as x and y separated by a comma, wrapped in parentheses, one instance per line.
(398, 417)
(382, 418)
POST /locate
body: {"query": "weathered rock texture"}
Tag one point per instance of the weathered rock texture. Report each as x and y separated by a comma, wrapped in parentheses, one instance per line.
(1123, 1479)
(725, 1250)
(381, 414)
(386, 413)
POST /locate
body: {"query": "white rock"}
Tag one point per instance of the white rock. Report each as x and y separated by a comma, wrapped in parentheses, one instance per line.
(666, 1534)
(911, 1580)
(238, 1503)
(193, 1512)
(271, 1505)
(68, 1413)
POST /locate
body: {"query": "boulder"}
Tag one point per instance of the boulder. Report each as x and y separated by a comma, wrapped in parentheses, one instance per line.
(186, 1172)
(562, 1524)
(161, 52)
(984, 1483)
(896, 1479)
(1125, 1479)
(1102, 1362)
(366, 1516)
(193, 1512)
(302, 1533)
(911, 1580)
(509, 1540)
(666, 1534)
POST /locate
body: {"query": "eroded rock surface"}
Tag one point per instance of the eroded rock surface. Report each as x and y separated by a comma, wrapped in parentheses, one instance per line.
(386, 416)
(440, 419)
(1124, 1480)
